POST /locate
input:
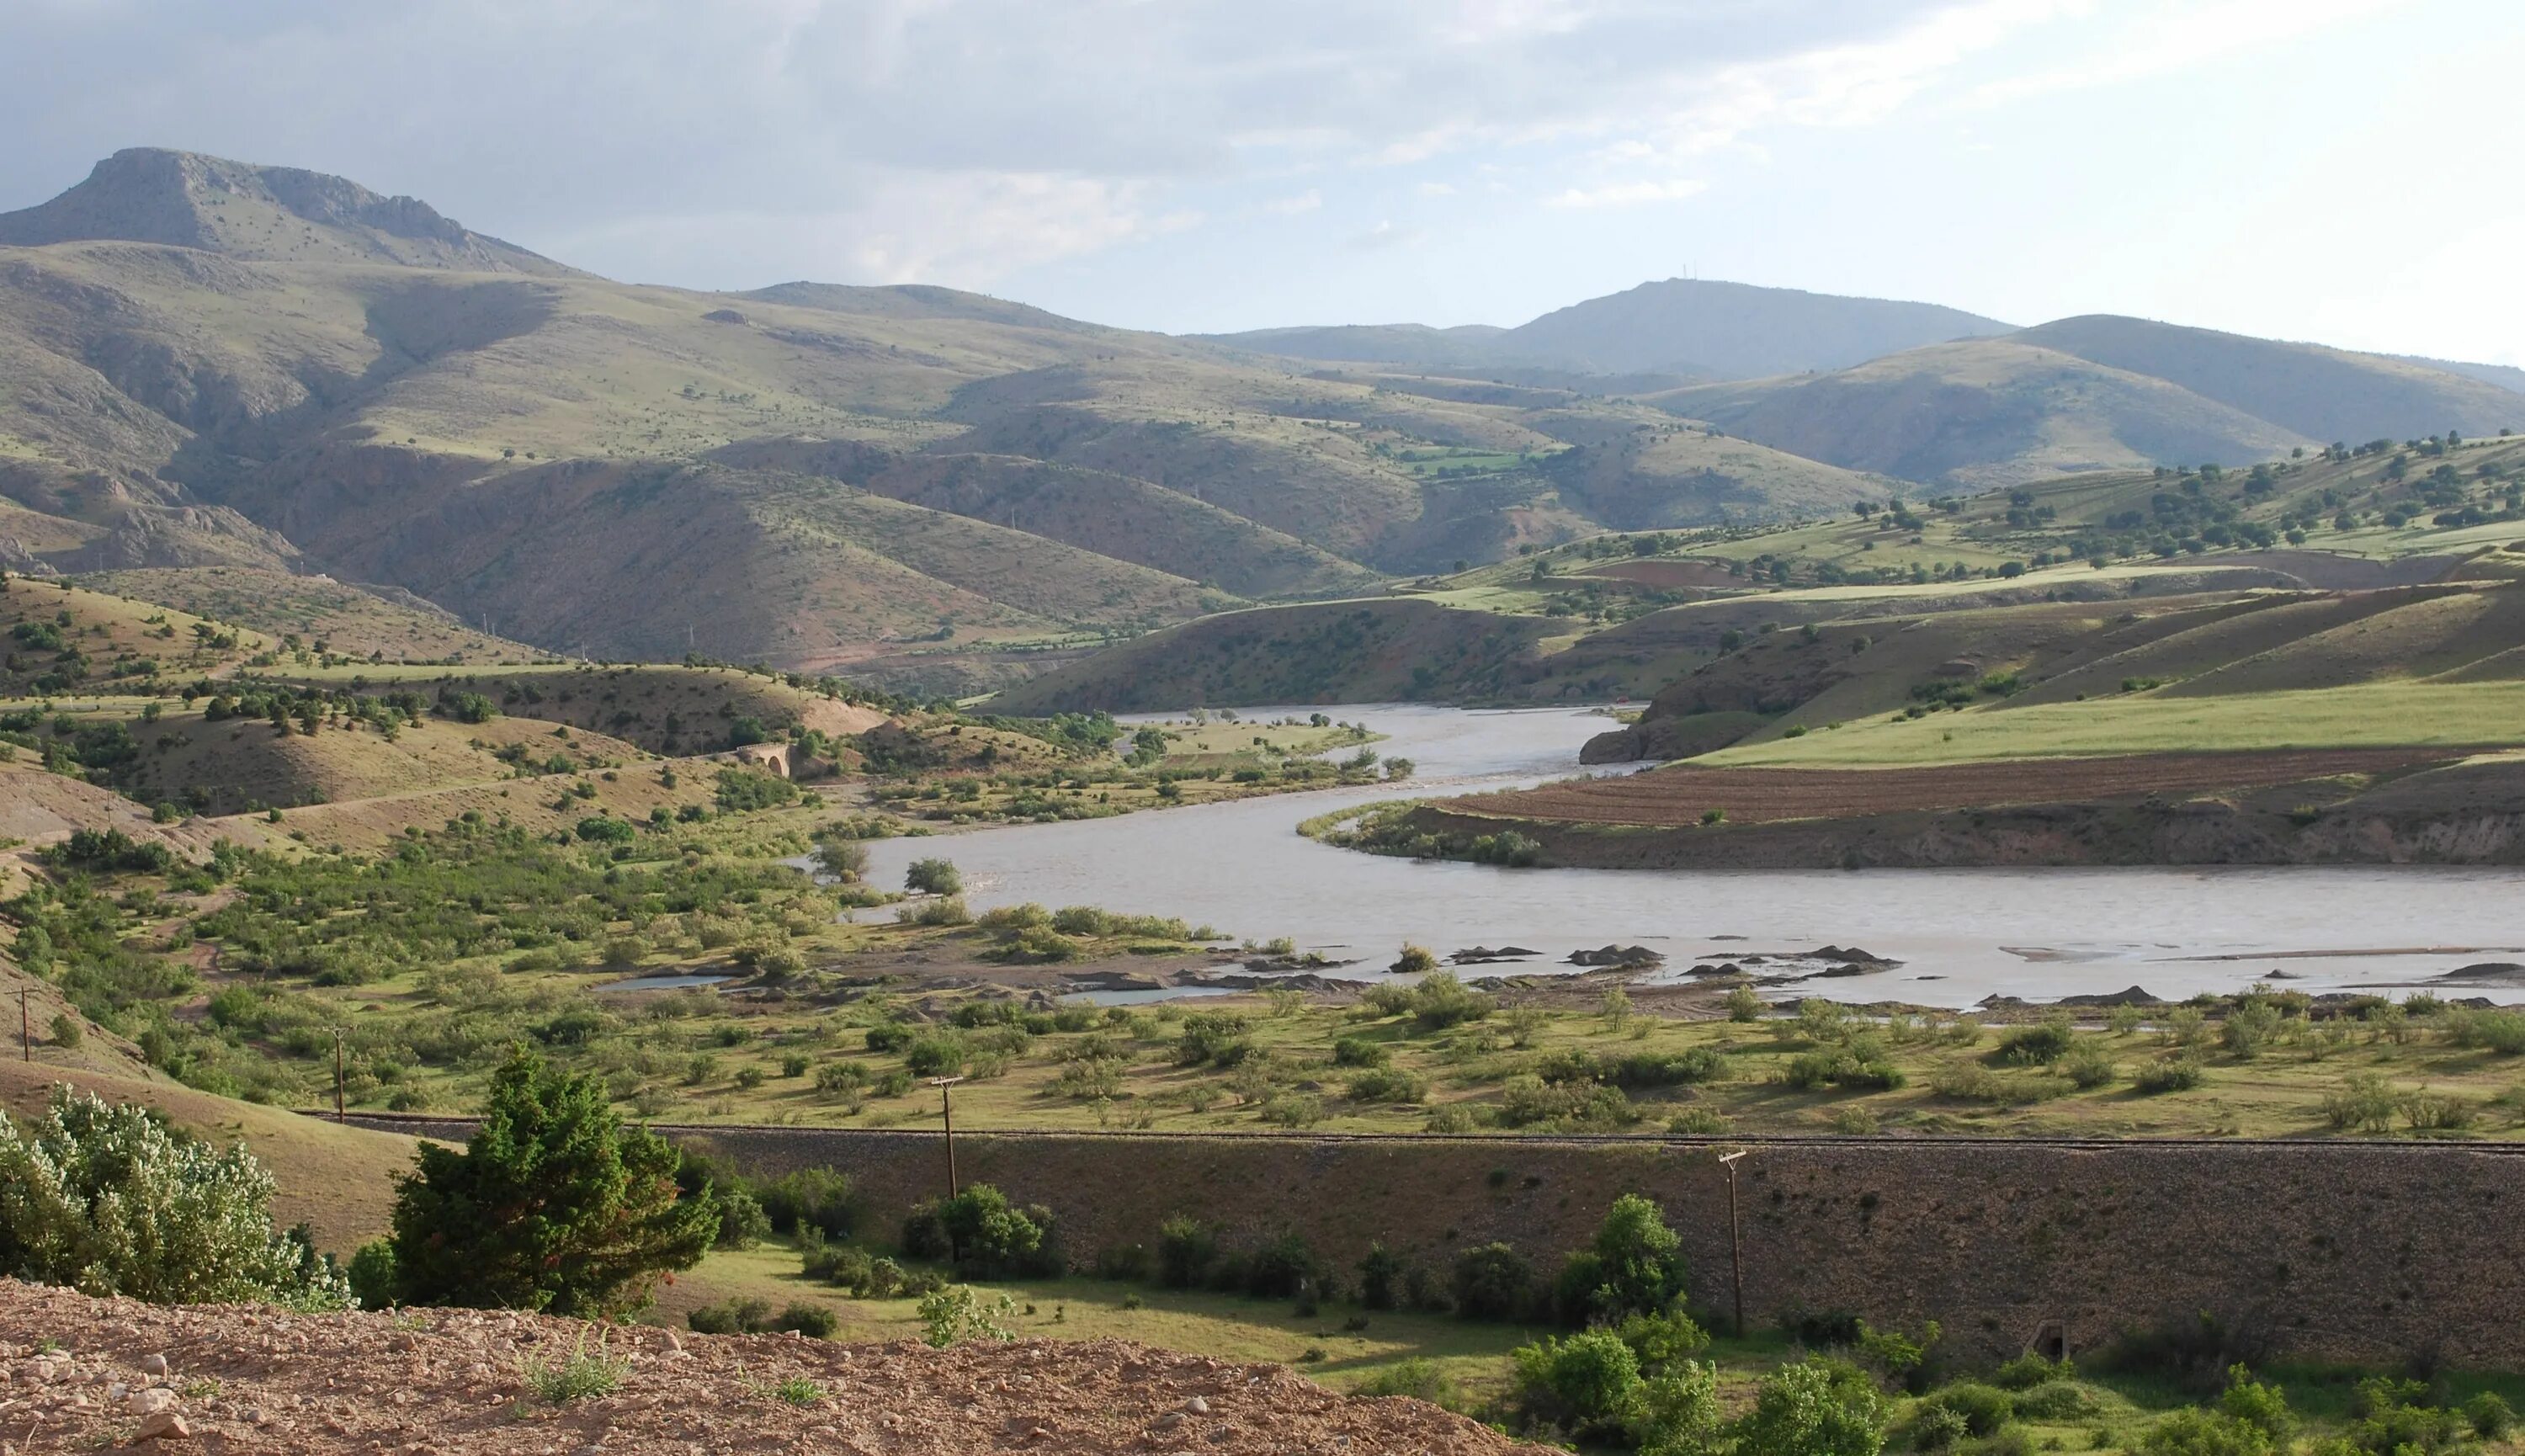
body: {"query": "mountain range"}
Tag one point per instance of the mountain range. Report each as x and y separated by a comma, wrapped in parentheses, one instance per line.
(207, 363)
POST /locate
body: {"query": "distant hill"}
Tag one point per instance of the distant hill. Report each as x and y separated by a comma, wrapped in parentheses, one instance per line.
(1983, 414)
(2331, 394)
(2505, 376)
(1735, 331)
(2094, 393)
(271, 214)
(213, 367)
(1689, 326)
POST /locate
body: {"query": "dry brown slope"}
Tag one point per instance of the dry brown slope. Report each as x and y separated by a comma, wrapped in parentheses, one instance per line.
(450, 1381)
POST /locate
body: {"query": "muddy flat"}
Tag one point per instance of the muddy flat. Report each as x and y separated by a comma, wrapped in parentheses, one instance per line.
(1682, 793)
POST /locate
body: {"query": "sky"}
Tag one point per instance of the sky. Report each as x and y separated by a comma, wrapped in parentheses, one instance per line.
(2325, 170)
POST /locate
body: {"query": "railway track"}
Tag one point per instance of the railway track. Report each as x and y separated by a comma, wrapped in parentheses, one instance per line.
(392, 1120)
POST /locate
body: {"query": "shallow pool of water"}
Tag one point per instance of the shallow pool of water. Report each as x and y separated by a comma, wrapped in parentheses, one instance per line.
(662, 983)
(1962, 935)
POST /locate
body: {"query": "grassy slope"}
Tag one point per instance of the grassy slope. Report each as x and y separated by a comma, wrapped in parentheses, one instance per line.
(2375, 715)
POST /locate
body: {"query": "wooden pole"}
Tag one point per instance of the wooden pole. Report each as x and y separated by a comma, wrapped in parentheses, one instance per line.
(338, 1114)
(1735, 1239)
(25, 1027)
(947, 1111)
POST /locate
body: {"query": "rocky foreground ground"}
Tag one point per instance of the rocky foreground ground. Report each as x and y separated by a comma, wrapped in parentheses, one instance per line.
(80, 1374)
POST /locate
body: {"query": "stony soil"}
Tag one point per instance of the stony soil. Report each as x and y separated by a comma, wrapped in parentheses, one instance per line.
(1677, 795)
(80, 1374)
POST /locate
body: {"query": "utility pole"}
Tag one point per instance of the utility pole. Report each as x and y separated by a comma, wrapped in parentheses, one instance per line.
(25, 1027)
(1735, 1236)
(947, 1110)
(337, 1093)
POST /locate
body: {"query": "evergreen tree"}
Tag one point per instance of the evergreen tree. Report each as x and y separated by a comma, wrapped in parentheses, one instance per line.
(554, 1205)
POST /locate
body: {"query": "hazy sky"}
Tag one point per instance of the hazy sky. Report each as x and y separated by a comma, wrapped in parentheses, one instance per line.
(2331, 170)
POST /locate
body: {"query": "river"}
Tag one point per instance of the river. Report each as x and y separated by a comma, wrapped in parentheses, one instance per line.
(1960, 934)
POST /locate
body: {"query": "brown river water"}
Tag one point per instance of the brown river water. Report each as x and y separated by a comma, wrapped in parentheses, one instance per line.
(1962, 935)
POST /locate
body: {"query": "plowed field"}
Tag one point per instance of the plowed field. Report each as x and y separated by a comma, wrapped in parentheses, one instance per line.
(1681, 794)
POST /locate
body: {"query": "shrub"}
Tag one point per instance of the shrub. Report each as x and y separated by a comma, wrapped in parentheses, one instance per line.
(2088, 1066)
(941, 1054)
(946, 910)
(1420, 1380)
(2038, 1046)
(2489, 1415)
(1845, 1067)
(741, 790)
(2177, 1075)
(1414, 960)
(1935, 1427)
(1217, 1037)
(1983, 1409)
(2028, 1371)
(1493, 1281)
(2249, 1027)
(986, 1236)
(1440, 1001)
(953, 1315)
(553, 1205)
(933, 876)
(1639, 1266)
(2055, 1402)
(1744, 1005)
(2198, 1433)
(1387, 1085)
(1526, 1101)
(1687, 1068)
(106, 1199)
(1186, 1250)
(1359, 1051)
(1815, 1408)
(1283, 1269)
(818, 1198)
(1586, 1383)
(1380, 1278)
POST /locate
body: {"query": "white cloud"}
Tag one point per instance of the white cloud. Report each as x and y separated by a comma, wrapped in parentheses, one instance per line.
(1628, 195)
(2172, 37)
(1305, 202)
(1387, 236)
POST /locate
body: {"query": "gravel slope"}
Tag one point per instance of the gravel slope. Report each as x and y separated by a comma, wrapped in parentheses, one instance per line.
(78, 1373)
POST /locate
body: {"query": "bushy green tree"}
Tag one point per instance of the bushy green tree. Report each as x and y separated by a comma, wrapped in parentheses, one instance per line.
(987, 1236)
(1587, 1383)
(1492, 1282)
(1815, 1408)
(933, 876)
(1634, 1267)
(106, 1199)
(554, 1205)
